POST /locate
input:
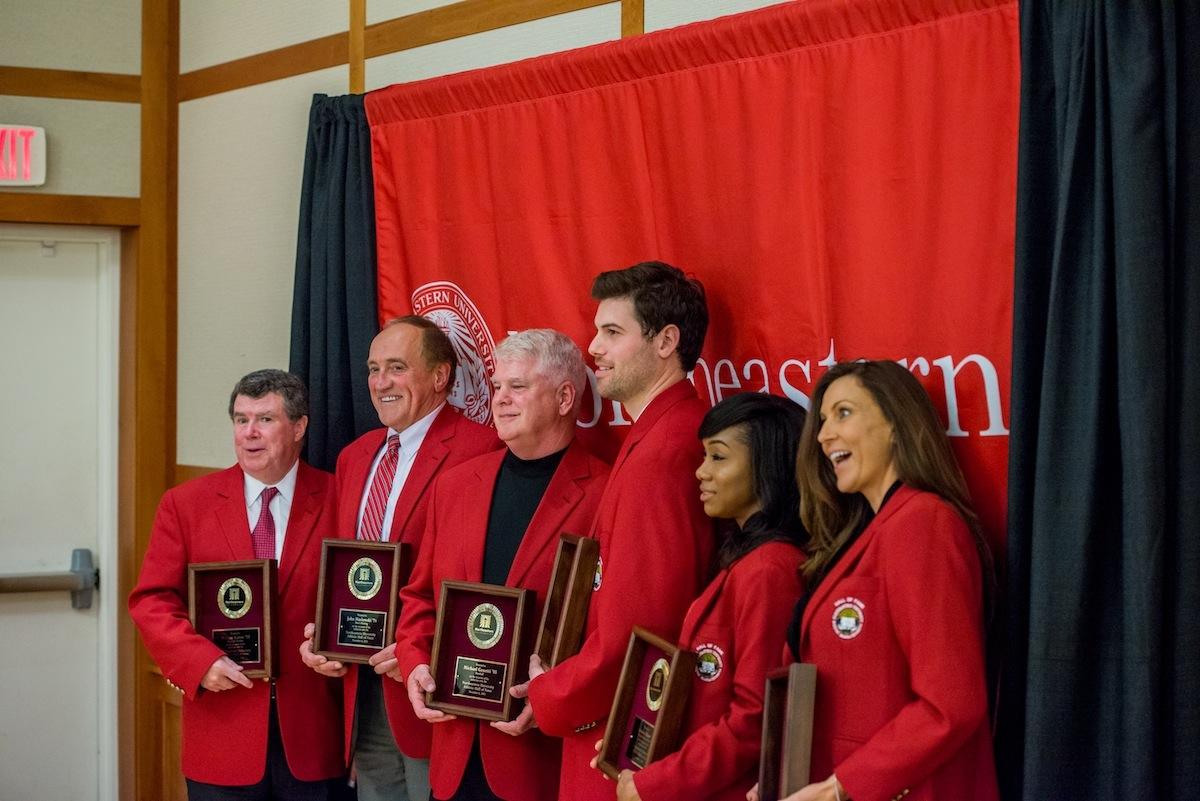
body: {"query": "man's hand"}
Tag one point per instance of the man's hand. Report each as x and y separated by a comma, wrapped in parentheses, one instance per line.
(326, 667)
(225, 674)
(752, 794)
(419, 683)
(524, 721)
(595, 763)
(385, 662)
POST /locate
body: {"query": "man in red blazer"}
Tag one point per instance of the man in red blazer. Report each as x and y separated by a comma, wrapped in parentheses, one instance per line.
(655, 541)
(410, 370)
(243, 738)
(497, 519)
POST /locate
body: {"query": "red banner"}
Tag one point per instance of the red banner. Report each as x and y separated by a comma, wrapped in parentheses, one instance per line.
(840, 175)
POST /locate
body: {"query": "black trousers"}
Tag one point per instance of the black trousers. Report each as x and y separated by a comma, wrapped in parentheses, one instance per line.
(278, 783)
(474, 786)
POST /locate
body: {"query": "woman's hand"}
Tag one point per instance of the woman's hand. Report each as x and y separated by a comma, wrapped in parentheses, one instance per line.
(626, 791)
(828, 790)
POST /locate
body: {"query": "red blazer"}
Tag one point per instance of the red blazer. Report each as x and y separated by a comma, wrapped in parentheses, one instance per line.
(655, 546)
(451, 439)
(896, 632)
(521, 768)
(736, 628)
(204, 520)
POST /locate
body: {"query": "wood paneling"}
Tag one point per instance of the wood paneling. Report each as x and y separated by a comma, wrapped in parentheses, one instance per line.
(34, 207)
(357, 46)
(310, 56)
(186, 472)
(633, 18)
(148, 391)
(463, 19)
(30, 82)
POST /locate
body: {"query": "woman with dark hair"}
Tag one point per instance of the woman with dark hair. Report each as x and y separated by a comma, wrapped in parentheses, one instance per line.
(736, 625)
(899, 579)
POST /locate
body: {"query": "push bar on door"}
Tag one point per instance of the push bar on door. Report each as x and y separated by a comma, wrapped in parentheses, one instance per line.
(80, 580)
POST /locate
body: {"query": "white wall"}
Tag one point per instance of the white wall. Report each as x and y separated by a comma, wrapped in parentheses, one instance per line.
(92, 148)
(241, 158)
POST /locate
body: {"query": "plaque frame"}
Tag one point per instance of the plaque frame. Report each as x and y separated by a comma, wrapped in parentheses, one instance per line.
(401, 558)
(514, 646)
(560, 632)
(786, 753)
(264, 573)
(668, 720)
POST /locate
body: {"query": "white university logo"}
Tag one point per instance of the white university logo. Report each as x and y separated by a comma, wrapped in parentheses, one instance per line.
(445, 303)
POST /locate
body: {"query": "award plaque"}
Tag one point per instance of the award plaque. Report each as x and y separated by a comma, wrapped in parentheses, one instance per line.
(481, 647)
(787, 731)
(233, 605)
(647, 711)
(357, 597)
(561, 629)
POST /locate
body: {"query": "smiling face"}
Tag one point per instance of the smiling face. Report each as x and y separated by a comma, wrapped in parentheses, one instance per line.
(857, 440)
(403, 388)
(726, 477)
(533, 416)
(266, 442)
(626, 360)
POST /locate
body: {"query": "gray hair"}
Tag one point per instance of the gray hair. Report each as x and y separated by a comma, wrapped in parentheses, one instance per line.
(263, 382)
(557, 356)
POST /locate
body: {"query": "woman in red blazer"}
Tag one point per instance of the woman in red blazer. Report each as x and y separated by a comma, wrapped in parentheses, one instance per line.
(736, 625)
(899, 577)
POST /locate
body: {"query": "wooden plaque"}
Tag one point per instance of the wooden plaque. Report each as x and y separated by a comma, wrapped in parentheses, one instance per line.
(233, 605)
(561, 630)
(358, 592)
(481, 647)
(647, 711)
(787, 731)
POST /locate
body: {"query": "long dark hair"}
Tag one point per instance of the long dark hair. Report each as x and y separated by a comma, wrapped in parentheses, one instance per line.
(770, 427)
(920, 452)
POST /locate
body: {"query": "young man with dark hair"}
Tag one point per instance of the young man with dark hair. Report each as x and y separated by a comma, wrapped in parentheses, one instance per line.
(655, 540)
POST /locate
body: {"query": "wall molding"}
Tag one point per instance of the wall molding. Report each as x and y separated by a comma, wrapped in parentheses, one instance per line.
(70, 84)
(186, 472)
(633, 18)
(285, 62)
(38, 207)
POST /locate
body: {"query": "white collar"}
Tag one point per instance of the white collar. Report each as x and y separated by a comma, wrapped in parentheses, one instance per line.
(286, 486)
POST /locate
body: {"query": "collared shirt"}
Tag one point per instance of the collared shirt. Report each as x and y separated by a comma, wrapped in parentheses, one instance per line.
(281, 504)
(410, 442)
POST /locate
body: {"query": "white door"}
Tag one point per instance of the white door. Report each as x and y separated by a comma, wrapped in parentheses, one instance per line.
(58, 489)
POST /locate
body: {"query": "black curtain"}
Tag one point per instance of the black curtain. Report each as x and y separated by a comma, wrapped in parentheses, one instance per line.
(334, 307)
(1100, 695)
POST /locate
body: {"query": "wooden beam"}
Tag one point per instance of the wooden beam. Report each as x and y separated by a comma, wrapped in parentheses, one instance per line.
(633, 18)
(297, 59)
(357, 46)
(149, 321)
(462, 19)
(186, 472)
(70, 84)
(34, 207)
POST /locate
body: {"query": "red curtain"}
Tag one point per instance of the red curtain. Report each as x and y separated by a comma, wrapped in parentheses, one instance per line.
(840, 175)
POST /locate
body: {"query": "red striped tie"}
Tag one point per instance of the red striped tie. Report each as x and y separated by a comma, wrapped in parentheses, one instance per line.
(381, 487)
(263, 535)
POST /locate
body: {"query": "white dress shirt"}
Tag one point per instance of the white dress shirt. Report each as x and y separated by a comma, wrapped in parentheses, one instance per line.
(410, 442)
(281, 504)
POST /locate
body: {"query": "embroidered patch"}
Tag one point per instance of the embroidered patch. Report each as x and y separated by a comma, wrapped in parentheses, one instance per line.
(848, 617)
(710, 661)
(598, 578)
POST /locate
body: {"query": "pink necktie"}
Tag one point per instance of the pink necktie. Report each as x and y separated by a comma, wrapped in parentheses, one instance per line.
(263, 535)
(381, 487)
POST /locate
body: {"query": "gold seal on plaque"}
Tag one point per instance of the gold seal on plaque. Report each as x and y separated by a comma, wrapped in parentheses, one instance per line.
(657, 684)
(365, 578)
(485, 624)
(234, 598)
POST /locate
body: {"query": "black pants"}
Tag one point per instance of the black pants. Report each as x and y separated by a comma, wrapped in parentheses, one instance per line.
(474, 786)
(278, 783)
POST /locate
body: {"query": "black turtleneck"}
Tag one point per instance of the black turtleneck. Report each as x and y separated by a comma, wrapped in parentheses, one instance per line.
(520, 486)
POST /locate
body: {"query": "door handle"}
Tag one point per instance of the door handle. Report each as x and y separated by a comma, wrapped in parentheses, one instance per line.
(80, 580)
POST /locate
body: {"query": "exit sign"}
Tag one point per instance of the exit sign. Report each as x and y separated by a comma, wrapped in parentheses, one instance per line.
(22, 155)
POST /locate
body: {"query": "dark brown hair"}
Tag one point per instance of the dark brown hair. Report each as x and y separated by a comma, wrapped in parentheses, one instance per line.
(920, 452)
(662, 295)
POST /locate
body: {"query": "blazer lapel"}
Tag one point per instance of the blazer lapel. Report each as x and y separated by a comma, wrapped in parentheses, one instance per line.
(230, 512)
(705, 603)
(850, 559)
(301, 525)
(563, 494)
(475, 504)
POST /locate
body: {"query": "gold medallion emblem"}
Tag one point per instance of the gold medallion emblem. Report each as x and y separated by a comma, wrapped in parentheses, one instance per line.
(365, 578)
(657, 685)
(234, 598)
(485, 624)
